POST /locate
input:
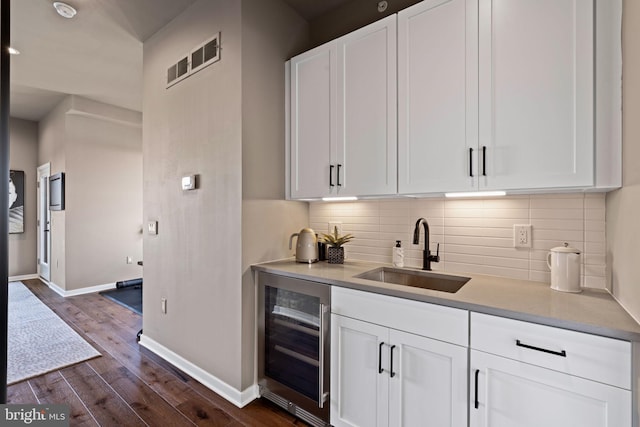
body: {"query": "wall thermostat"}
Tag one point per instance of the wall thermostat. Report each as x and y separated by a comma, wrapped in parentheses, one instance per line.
(152, 227)
(189, 182)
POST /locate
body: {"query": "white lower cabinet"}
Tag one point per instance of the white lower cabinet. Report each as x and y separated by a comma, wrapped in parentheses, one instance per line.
(511, 393)
(530, 375)
(381, 376)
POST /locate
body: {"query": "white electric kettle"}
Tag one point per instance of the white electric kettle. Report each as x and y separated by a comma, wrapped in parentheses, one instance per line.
(307, 247)
(564, 263)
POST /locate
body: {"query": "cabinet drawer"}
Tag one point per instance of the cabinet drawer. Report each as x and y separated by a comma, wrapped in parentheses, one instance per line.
(420, 318)
(606, 360)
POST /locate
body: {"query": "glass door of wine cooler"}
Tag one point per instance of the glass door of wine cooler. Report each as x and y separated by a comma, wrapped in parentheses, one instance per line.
(294, 340)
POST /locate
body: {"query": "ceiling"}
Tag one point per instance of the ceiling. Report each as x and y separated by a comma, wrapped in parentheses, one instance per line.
(97, 54)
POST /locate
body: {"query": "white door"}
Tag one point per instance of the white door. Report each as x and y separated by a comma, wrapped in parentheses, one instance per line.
(359, 373)
(313, 100)
(367, 111)
(437, 96)
(44, 223)
(429, 382)
(536, 102)
(508, 393)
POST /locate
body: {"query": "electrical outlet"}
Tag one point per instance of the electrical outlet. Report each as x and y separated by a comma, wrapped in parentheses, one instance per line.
(163, 305)
(522, 235)
(129, 260)
(334, 224)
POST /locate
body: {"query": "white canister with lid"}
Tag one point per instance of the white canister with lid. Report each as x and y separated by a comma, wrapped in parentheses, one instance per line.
(564, 263)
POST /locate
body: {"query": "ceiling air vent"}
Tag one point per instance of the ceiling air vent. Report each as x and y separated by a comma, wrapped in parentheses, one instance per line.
(205, 54)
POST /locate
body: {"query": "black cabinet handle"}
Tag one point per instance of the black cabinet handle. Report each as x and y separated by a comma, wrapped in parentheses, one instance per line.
(544, 350)
(330, 175)
(484, 160)
(391, 373)
(380, 370)
(470, 162)
(338, 175)
(475, 400)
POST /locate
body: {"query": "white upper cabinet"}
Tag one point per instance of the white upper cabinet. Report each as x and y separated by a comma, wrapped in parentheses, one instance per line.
(501, 95)
(343, 112)
(312, 121)
(367, 110)
(437, 96)
(536, 80)
(462, 95)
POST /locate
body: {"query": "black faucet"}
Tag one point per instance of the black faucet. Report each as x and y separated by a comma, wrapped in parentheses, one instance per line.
(427, 258)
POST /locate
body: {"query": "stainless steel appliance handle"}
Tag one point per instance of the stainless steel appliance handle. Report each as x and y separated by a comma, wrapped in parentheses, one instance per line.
(322, 396)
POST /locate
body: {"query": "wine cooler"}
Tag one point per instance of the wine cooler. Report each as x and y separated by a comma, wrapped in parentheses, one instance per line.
(293, 340)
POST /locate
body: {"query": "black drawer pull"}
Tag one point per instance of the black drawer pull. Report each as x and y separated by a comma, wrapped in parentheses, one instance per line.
(470, 162)
(380, 370)
(544, 350)
(475, 400)
(331, 175)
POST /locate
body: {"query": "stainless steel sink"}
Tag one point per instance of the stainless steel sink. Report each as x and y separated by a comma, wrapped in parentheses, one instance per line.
(416, 279)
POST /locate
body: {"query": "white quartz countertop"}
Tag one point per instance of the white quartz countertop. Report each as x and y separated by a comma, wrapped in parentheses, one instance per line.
(593, 311)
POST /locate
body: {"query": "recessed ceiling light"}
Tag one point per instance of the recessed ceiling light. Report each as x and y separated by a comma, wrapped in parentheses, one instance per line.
(64, 9)
(13, 51)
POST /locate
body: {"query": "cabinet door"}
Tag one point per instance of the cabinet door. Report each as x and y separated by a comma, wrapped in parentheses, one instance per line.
(511, 393)
(429, 383)
(367, 110)
(536, 93)
(437, 96)
(313, 101)
(359, 391)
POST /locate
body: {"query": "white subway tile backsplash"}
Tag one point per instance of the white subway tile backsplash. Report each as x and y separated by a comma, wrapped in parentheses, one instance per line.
(557, 203)
(476, 235)
(558, 214)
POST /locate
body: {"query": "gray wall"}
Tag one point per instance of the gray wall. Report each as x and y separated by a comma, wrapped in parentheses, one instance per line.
(23, 140)
(226, 124)
(99, 147)
(195, 127)
(271, 33)
(51, 149)
(623, 206)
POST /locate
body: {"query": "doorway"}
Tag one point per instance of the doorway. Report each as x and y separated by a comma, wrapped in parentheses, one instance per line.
(44, 223)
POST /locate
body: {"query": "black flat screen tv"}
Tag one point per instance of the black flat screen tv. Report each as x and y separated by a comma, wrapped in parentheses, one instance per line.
(56, 192)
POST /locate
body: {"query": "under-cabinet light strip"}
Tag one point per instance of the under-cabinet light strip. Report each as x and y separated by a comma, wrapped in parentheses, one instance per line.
(477, 194)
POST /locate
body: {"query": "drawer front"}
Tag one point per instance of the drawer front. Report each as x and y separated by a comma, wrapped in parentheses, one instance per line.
(420, 318)
(606, 360)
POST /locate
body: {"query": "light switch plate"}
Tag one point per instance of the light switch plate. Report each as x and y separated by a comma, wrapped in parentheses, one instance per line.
(152, 227)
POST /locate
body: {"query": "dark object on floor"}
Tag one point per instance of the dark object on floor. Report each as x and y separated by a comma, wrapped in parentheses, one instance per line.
(126, 283)
(129, 296)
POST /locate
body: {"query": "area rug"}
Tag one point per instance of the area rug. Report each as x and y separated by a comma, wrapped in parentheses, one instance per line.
(38, 340)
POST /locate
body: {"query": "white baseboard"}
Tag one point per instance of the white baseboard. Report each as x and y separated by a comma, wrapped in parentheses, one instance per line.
(238, 398)
(89, 290)
(23, 277)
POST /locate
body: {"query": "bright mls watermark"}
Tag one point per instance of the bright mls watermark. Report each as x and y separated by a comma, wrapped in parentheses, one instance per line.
(34, 415)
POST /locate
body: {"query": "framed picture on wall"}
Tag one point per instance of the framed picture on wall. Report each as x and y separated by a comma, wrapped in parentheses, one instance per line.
(16, 202)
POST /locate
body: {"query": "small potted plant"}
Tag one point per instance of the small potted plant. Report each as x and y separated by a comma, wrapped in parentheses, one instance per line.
(335, 251)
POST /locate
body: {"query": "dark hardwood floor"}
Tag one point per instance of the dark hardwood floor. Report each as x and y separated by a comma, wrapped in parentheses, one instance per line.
(129, 385)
